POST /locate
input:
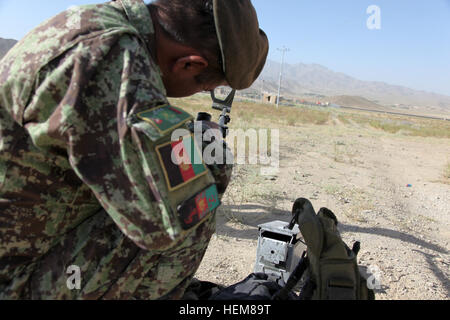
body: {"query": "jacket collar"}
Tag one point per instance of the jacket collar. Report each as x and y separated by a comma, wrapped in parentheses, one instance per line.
(139, 16)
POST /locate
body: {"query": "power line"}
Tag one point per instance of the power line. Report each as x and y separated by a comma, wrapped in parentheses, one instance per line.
(283, 50)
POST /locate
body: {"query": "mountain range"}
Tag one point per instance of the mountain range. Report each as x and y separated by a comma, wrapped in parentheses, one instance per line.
(5, 45)
(303, 80)
(314, 82)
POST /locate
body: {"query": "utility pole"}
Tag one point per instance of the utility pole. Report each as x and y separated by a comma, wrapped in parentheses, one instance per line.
(262, 90)
(283, 51)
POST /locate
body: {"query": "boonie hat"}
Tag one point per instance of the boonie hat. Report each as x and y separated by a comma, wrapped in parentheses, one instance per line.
(244, 46)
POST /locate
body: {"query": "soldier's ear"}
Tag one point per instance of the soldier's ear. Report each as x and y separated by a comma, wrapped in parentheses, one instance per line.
(192, 65)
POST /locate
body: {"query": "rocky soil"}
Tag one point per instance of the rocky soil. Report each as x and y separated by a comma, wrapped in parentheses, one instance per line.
(388, 191)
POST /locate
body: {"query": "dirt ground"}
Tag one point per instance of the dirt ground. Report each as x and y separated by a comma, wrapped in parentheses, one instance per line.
(387, 190)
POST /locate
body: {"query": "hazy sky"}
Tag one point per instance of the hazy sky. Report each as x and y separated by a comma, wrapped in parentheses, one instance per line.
(411, 48)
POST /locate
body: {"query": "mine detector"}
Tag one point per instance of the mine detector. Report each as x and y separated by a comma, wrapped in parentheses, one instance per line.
(281, 247)
(280, 250)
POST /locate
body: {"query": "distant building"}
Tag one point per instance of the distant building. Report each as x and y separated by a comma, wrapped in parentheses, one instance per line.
(270, 98)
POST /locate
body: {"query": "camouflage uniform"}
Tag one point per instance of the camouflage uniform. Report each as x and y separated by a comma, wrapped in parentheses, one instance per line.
(81, 179)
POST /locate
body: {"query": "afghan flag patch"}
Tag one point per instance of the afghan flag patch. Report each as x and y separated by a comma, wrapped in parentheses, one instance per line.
(165, 118)
(196, 209)
(182, 162)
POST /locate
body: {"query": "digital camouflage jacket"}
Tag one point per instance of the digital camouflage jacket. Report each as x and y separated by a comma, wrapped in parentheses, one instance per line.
(85, 173)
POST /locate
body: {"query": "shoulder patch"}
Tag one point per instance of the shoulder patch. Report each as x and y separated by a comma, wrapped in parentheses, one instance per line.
(181, 162)
(165, 118)
(196, 209)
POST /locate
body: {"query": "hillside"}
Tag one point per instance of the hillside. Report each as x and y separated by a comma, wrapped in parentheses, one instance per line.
(316, 80)
(355, 101)
(5, 45)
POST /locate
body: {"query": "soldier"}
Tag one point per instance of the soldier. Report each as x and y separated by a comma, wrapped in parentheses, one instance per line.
(87, 181)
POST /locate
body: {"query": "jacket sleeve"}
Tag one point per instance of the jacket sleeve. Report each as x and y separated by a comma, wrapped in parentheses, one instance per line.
(99, 95)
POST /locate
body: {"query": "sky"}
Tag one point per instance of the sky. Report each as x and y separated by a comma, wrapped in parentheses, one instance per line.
(408, 42)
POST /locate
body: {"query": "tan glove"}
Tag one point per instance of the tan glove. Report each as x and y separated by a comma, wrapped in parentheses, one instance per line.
(333, 268)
